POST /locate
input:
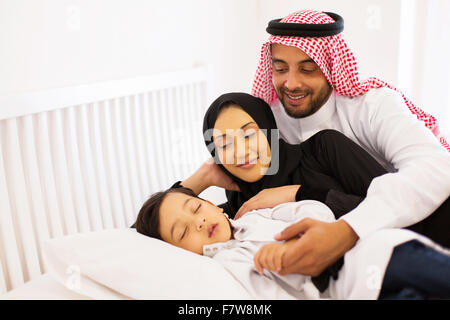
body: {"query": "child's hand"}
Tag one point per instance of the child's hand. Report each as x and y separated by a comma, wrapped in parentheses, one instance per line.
(270, 256)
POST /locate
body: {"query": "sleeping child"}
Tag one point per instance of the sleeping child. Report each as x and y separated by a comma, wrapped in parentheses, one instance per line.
(391, 263)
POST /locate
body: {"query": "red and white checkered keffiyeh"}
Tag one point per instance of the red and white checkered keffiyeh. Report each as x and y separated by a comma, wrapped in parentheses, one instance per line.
(336, 62)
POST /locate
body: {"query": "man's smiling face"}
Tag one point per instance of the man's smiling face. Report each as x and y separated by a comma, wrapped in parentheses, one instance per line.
(298, 81)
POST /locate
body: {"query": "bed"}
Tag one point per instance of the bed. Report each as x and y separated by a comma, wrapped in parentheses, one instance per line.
(81, 160)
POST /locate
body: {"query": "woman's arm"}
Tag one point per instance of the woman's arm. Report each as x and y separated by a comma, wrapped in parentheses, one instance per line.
(348, 164)
(209, 174)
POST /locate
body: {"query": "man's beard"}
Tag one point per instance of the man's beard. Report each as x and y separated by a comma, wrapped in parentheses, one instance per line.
(314, 105)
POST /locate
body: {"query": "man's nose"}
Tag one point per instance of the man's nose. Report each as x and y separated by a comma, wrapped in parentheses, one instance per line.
(293, 81)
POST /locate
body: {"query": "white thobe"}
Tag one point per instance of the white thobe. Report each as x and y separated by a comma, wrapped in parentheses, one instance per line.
(360, 277)
(380, 122)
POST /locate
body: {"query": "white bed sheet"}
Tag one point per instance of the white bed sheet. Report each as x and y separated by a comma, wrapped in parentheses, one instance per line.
(43, 288)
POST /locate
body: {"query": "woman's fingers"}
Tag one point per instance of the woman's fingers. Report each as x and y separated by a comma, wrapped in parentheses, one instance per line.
(249, 205)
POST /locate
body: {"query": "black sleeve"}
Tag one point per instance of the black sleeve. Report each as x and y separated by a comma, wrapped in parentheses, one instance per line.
(228, 209)
(176, 185)
(233, 204)
(346, 161)
(339, 202)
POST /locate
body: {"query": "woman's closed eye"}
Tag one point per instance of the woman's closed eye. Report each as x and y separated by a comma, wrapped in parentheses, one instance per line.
(247, 136)
(225, 144)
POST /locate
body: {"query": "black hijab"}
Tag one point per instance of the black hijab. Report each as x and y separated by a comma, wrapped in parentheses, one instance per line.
(289, 155)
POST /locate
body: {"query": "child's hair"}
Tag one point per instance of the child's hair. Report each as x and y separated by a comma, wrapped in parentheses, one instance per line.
(147, 221)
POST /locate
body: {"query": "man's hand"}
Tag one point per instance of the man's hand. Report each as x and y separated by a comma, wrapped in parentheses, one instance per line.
(268, 198)
(271, 255)
(320, 245)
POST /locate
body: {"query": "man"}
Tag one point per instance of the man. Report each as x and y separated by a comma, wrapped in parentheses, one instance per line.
(309, 77)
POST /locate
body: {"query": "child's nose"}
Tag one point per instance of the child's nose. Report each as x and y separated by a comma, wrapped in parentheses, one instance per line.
(201, 222)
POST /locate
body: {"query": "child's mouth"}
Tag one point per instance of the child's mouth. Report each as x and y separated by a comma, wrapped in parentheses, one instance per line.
(212, 230)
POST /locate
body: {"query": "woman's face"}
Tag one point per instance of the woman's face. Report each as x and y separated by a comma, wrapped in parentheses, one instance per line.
(190, 223)
(241, 146)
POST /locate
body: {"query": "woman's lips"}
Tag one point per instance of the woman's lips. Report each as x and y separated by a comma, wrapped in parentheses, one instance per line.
(212, 230)
(248, 165)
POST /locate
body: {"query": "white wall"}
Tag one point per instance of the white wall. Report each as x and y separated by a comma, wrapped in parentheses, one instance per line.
(424, 71)
(55, 43)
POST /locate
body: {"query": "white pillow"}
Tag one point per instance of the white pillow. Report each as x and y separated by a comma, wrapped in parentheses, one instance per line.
(123, 264)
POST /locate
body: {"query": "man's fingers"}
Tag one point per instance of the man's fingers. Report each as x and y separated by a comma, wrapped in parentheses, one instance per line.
(293, 268)
(294, 230)
(295, 253)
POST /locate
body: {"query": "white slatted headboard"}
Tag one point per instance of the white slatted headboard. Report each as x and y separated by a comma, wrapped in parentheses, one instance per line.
(85, 158)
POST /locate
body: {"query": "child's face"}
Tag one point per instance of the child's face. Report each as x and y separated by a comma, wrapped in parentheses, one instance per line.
(241, 146)
(190, 223)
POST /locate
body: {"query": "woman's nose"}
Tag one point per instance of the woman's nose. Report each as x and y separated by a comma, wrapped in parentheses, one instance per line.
(241, 151)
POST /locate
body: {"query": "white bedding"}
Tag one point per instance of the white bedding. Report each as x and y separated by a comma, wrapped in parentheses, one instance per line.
(43, 288)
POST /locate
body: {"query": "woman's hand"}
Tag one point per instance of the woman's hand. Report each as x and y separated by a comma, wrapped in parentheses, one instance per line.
(268, 198)
(216, 177)
(209, 174)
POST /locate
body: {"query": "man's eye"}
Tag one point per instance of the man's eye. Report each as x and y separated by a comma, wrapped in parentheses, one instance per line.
(308, 69)
(280, 70)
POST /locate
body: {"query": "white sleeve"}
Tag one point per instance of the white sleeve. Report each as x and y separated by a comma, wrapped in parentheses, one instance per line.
(422, 182)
